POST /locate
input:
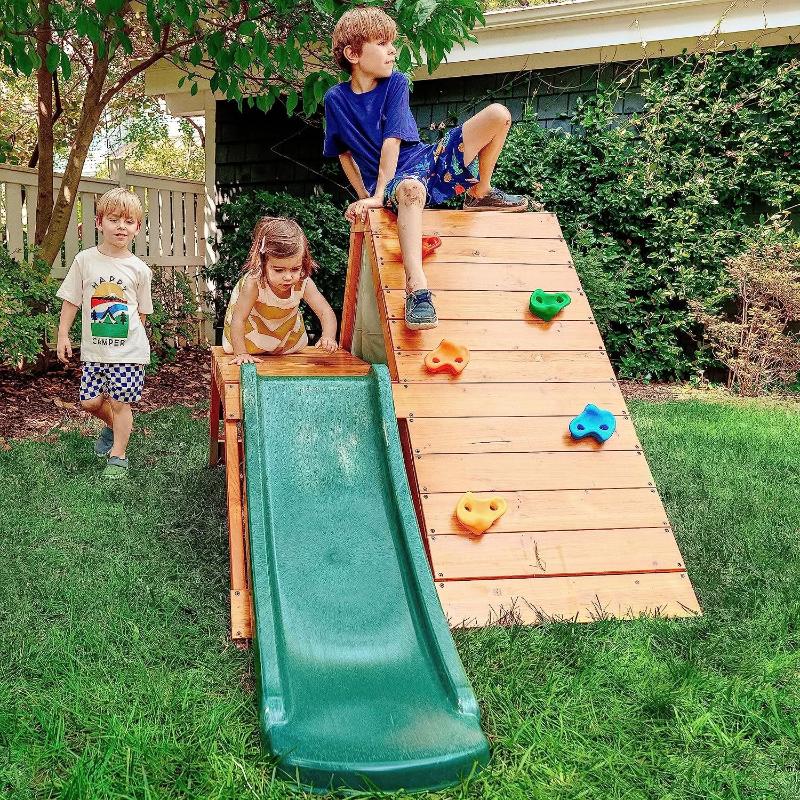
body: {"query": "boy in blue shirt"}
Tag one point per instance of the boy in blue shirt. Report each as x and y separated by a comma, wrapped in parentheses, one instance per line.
(369, 126)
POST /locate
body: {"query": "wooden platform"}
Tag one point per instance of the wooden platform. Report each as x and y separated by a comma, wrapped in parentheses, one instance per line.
(586, 535)
(225, 438)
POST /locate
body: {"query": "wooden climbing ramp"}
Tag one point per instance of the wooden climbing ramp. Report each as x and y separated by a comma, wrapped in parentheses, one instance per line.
(585, 535)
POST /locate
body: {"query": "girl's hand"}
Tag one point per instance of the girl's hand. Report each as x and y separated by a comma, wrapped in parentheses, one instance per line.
(327, 344)
(244, 358)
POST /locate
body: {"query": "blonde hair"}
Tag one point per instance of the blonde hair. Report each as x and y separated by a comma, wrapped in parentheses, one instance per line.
(360, 25)
(277, 237)
(122, 201)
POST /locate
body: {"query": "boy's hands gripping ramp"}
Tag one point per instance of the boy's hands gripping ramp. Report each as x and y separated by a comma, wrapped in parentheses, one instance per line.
(359, 680)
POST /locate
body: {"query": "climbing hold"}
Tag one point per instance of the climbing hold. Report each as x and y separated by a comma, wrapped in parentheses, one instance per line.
(479, 514)
(546, 305)
(594, 422)
(447, 357)
(429, 244)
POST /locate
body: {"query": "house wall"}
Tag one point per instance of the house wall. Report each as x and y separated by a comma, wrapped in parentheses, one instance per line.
(257, 150)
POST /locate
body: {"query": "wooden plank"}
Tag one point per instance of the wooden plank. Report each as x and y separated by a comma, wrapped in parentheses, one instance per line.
(352, 279)
(518, 472)
(235, 522)
(14, 220)
(510, 435)
(232, 401)
(164, 224)
(380, 303)
(476, 277)
(581, 599)
(88, 211)
(190, 200)
(499, 335)
(31, 205)
(482, 250)
(555, 553)
(556, 510)
(140, 242)
(521, 366)
(71, 244)
(489, 305)
(179, 241)
(310, 361)
(529, 225)
(504, 399)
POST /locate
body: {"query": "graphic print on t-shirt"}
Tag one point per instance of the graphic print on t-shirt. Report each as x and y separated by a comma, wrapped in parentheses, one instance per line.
(109, 317)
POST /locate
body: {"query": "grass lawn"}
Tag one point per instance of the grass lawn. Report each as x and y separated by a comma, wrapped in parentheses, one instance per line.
(117, 680)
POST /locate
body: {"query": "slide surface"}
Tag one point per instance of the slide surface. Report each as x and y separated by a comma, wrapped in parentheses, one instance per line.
(359, 680)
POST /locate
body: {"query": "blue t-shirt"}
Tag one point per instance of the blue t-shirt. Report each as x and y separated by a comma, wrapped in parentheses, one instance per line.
(359, 123)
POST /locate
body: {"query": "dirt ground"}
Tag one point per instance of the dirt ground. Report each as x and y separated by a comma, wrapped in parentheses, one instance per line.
(34, 405)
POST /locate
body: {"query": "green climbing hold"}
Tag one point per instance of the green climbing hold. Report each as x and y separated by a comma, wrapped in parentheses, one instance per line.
(546, 305)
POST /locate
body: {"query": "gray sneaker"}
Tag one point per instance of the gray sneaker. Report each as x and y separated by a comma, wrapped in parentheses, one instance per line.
(104, 442)
(496, 200)
(420, 313)
(116, 468)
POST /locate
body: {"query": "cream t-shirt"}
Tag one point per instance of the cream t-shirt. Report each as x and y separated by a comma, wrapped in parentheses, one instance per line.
(110, 292)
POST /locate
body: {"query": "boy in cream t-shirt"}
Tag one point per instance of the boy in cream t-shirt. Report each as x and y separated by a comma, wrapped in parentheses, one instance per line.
(111, 286)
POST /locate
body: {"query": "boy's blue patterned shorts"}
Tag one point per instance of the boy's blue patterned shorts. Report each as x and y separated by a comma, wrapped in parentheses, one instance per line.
(122, 382)
(441, 170)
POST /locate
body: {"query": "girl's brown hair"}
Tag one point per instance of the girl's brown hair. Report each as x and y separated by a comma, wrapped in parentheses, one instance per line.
(277, 237)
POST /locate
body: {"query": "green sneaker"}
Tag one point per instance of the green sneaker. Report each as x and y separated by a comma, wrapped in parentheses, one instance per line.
(116, 468)
(104, 442)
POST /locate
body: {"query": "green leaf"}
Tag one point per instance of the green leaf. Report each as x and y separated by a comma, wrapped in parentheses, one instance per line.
(424, 11)
(53, 58)
(242, 57)
(291, 102)
(247, 28)
(195, 54)
(404, 59)
(66, 66)
(193, 90)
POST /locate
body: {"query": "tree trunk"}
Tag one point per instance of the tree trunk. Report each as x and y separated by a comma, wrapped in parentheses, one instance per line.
(44, 111)
(87, 124)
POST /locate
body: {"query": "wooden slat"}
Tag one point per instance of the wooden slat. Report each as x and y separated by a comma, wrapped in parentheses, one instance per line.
(231, 394)
(498, 335)
(71, 243)
(164, 223)
(515, 435)
(354, 259)
(140, 242)
(31, 204)
(556, 510)
(14, 220)
(489, 305)
(179, 242)
(583, 599)
(551, 553)
(485, 223)
(517, 472)
(476, 277)
(504, 399)
(526, 366)
(190, 200)
(88, 210)
(482, 250)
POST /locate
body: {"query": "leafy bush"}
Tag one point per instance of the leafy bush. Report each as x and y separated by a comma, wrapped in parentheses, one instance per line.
(28, 314)
(175, 318)
(654, 205)
(322, 220)
(758, 342)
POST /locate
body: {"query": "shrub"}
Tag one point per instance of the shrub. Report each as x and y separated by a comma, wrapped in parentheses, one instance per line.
(322, 220)
(175, 319)
(28, 314)
(758, 342)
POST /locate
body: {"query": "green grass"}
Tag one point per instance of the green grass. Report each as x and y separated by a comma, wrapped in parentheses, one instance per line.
(117, 680)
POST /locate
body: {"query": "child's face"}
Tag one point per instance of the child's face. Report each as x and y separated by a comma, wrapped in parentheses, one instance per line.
(377, 59)
(117, 228)
(283, 273)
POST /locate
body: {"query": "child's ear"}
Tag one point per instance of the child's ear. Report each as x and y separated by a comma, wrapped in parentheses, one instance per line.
(98, 222)
(351, 55)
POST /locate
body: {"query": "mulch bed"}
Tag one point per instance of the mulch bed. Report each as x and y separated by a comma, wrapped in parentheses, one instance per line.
(34, 405)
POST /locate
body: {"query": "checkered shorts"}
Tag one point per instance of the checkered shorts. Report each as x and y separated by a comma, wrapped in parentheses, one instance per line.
(122, 382)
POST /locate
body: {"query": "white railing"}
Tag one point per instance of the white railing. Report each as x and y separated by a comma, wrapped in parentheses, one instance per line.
(172, 233)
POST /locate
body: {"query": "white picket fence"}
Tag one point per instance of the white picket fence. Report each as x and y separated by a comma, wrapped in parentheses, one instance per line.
(172, 233)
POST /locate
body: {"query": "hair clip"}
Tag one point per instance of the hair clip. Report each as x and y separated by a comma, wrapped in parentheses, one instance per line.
(263, 248)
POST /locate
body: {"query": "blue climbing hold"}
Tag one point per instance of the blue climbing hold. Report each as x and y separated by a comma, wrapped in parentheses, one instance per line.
(594, 422)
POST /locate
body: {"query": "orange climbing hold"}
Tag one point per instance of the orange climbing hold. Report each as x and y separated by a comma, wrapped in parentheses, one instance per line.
(479, 514)
(429, 244)
(447, 357)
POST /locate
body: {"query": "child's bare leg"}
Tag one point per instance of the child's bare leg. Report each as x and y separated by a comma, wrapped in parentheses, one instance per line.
(484, 136)
(410, 196)
(100, 407)
(123, 425)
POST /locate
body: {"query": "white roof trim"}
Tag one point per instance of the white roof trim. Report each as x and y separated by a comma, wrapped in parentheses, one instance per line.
(595, 31)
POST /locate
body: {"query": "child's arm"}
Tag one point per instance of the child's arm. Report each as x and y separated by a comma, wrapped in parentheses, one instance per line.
(63, 347)
(320, 306)
(390, 152)
(353, 174)
(248, 294)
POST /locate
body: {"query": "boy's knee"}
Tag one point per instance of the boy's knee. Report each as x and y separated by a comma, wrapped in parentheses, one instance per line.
(93, 404)
(410, 193)
(118, 405)
(500, 114)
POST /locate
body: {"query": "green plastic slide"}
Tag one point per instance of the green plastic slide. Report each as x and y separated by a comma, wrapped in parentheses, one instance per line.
(359, 681)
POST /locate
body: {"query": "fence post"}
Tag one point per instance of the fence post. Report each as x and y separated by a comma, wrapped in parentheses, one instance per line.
(118, 172)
